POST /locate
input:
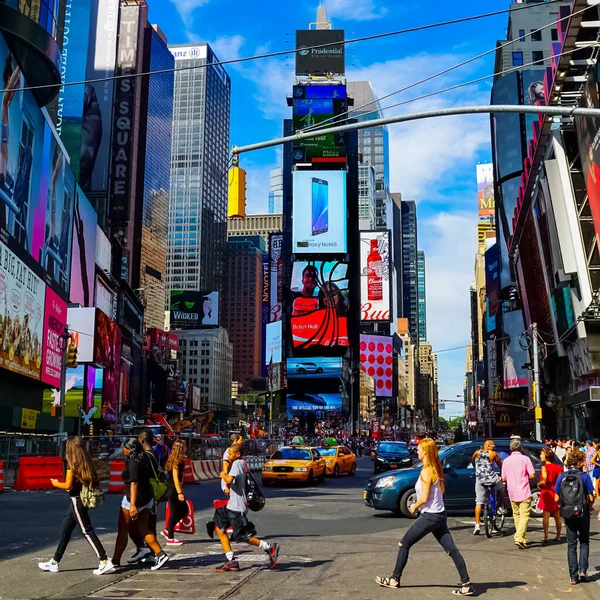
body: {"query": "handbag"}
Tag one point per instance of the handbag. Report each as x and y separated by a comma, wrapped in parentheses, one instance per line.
(91, 497)
(158, 485)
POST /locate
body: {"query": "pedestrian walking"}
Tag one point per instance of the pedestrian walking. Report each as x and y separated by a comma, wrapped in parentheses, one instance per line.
(136, 506)
(560, 450)
(575, 492)
(80, 473)
(430, 489)
(234, 515)
(178, 507)
(517, 470)
(486, 477)
(549, 475)
(596, 470)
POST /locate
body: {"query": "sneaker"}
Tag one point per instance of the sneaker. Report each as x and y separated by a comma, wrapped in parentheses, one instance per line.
(165, 534)
(230, 565)
(161, 559)
(273, 553)
(477, 530)
(51, 566)
(174, 542)
(140, 554)
(583, 577)
(464, 589)
(104, 567)
(574, 581)
(521, 545)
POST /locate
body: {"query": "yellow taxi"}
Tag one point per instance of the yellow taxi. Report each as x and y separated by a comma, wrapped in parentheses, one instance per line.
(294, 463)
(338, 459)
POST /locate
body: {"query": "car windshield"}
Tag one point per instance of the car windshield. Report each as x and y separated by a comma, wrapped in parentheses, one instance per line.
(327, 451)
(393, 448)
(291, 454)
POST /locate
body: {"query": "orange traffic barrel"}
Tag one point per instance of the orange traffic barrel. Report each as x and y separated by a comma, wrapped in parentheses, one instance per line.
(115, 480)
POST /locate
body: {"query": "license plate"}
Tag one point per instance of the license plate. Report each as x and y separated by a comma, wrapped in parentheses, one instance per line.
(364, 495)
(282, 476)
(394, 466)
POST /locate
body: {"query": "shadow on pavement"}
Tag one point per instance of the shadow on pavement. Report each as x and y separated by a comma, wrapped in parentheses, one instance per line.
(300, 566)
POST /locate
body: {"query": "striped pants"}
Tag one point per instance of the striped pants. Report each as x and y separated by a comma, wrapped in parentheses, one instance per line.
(78, 515)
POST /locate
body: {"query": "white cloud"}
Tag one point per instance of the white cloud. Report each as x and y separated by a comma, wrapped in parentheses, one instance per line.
(186, 7)
(354, 10)
(228, 47)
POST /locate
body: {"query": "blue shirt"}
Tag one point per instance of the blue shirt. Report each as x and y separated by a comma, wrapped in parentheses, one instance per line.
(589, 486)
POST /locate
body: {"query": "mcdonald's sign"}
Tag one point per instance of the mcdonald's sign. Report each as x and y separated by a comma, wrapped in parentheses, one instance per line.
(503, 419)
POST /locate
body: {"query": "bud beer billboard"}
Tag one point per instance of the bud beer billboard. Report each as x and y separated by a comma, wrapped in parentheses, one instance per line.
(375, 276)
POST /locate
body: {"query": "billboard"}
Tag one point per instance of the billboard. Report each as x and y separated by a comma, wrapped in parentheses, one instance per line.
(194, 310)
(275, 276)
(83, 255)
(315, 368)
(375, 276)
(107, 354)
(376, 359)
(98, 97)
(328, 59)
(22, 300)
(82, 326)
(75, 394)
(93, 391)
(55, 319)
(492, 285)
(485, 191)
(319, 208)
(533, 95)
(298, 404)
(513, 356)
(319, 293)
(273, 343)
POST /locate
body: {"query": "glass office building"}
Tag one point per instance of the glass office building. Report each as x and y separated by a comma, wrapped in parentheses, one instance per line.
(409, 267)
(421, 296)
(198, 203)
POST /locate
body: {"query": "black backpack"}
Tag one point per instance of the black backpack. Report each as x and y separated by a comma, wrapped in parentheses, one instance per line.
(573, 496)
(254, 495)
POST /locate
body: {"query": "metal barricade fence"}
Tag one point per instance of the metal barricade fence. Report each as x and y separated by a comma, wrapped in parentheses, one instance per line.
(13, 446)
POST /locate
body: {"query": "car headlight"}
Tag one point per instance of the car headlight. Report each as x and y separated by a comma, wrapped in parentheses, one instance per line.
(381, 459)
(301, 469)
(385, 482)
(265, 468)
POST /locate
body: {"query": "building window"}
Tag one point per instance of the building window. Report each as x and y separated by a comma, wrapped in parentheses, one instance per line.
(521, 35)
(537, 55)
(517, 59)
(536, 36)
(554, 33)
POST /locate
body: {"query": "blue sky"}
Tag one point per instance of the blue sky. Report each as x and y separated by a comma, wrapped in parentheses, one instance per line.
(432, 162)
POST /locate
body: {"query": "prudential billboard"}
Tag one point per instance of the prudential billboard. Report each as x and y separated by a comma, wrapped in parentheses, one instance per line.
(319, 224)
(320, 52)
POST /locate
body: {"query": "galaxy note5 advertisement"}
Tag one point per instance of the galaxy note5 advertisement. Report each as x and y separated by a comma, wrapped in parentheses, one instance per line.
(319, 225)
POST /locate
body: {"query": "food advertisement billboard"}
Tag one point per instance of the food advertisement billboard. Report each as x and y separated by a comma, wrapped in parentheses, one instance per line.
(301, 403)
(327, 59)
(485, 191)
(55, 319)
(375, 276)
(376, 359)
(319, 293)
(194, 310)
(83, 256)
(319, 223)
(22, 300)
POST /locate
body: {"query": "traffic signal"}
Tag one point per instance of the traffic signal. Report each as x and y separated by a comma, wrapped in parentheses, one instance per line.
(56, 411)
(72, 356)
(237, 192)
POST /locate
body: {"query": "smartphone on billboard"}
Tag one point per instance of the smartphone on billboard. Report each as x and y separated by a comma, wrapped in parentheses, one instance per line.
(320, 206)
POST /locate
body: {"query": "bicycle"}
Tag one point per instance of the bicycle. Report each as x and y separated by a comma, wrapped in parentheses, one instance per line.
(492, 519)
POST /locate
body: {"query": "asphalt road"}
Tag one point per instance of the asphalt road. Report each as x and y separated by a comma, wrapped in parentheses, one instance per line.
(332, 547)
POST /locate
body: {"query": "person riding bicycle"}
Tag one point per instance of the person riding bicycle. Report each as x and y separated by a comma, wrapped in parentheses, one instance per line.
(486, 478)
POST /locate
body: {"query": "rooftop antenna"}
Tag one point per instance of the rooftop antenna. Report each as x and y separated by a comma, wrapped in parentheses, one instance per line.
(322, 22)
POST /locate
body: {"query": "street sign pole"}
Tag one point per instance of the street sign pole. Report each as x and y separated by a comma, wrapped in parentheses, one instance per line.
(63, 384)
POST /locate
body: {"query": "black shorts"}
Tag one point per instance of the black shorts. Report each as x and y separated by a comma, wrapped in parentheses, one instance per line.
(242, 529)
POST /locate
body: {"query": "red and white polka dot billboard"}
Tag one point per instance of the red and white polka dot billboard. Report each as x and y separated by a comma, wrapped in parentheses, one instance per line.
(376, 359)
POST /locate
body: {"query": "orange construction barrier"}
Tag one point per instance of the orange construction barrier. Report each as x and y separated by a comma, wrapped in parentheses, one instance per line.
(35, 472)
(188, 474)
(1, 476)
(188, 523)
(115, 480)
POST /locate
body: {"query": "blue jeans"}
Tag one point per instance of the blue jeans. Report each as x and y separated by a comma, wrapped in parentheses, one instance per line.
(578, 530)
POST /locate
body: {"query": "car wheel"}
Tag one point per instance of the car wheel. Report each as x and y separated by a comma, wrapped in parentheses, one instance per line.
(535, 500)
(319, 370)
(352, 470)
(406, 501)
(336, 471)
(311, 478)
(302, 371)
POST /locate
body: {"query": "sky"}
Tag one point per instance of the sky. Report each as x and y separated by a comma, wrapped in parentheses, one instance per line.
(432, 162)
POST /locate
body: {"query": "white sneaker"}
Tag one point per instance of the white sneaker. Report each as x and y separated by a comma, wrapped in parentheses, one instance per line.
(160, 561)
(139, 554)
(104, 567)
(49, 566)
(477, 530)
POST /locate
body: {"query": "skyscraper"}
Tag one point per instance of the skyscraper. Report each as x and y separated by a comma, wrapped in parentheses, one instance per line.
(421, 296)
(409, 267)
(198, 204)
(259, 224)
(276, 191)
(366, 196)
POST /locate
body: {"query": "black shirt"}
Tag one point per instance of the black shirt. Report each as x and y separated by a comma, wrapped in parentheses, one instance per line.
(76, 486)
(137, 471)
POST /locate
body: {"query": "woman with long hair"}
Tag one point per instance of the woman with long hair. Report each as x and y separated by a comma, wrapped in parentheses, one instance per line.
(432, 519)
(80, 472)
(550, 473)
(136, 505)
(596, 468)
(178, 508)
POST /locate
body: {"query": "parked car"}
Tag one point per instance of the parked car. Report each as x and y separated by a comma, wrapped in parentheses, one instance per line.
(395, 490)
(391, 455)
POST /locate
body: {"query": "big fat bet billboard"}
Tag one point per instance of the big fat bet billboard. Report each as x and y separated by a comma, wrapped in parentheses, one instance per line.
(375, 276)
(319, 212)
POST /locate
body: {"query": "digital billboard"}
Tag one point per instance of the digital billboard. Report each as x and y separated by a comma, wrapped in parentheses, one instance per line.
(485, 191)
(325, 60)
(83, 255)
(375, 276)
(74, 393)
(533, 95)
(107, 354)
(319, 293)
(55, 319)
(275, 276)
(300, 403)
(273, 343)
(93, 391)
(376, 359)
(194, 310)
(82, 326)
(513, 356)
(22, 300)
(319, 212)
(315, 368)
(492, 285)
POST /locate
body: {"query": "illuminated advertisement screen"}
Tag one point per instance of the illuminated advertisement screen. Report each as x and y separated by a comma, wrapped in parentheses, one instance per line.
(492, 285)
(55, 319)
(273, 343)
(74, 395)
(513, 356)
(275, 277)
(83, 257)
(376, 359)
(319, 207)
(485, 191)
(327, 59)
(314, 368)
(194, 310)
(298, 404)
(93, 391)
(320, 304)
(312, 92)
(375, 276)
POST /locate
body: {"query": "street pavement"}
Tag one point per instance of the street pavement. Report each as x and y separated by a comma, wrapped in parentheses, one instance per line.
(332, 547)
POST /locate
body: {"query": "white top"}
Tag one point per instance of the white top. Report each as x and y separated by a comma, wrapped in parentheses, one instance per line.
(435, 502)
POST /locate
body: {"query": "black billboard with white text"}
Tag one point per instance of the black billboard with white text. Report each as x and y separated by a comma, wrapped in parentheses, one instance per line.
(320, 52)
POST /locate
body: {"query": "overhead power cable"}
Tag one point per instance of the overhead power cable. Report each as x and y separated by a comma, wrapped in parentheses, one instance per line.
(341, 116)
(279, 53)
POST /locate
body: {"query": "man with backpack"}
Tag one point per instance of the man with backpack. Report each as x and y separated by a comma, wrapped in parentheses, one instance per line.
(234, 482)
(575, 493)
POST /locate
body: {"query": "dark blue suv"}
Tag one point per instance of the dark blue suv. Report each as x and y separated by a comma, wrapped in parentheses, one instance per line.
(395, 490)
(391, 455)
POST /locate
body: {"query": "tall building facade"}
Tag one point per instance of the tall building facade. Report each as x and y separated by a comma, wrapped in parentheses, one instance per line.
(276, 191)
(410, 267)
(367, 200)
(198, 203)
(242, 307)
(421, 296)
(259, 224)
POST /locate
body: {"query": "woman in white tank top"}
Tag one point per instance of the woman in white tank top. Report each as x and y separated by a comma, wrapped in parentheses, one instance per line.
(430, 491)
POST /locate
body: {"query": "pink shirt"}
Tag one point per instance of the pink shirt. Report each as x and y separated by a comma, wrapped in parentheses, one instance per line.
(516, 470)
